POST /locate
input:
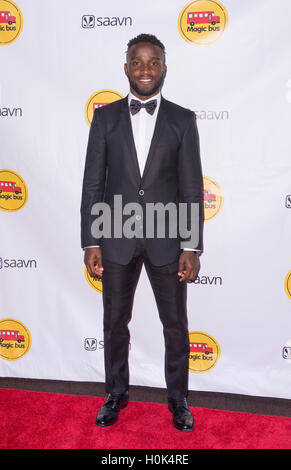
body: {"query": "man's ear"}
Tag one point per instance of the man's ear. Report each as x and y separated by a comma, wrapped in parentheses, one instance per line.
(165, 70)
(125, 70)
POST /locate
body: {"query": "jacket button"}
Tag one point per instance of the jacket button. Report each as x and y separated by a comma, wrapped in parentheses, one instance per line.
(141, 192)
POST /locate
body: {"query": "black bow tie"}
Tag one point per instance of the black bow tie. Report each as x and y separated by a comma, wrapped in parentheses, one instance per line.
(135, 106)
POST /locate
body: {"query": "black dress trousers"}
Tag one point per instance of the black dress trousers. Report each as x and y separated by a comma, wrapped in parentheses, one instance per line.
(119, 284)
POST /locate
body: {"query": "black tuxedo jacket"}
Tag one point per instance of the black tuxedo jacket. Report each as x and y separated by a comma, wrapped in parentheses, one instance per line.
(172, 173)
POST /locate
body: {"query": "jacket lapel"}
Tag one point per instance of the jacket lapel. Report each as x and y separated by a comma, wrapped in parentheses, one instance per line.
(127, 136)
(158, 132)
(126, 129)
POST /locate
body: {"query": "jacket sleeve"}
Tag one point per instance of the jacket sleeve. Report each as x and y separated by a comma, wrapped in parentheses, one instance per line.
(191, 187)
(94, 179)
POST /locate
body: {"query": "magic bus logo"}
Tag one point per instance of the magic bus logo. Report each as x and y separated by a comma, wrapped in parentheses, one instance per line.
(11, 22)
(204, 352)
(13, 191)
(94, 283)
(202, 22)
(287, 284)
(15, 339)
(213, 198)
(97, 100)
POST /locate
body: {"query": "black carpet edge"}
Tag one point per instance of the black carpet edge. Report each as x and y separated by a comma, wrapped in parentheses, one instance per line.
(214, 400)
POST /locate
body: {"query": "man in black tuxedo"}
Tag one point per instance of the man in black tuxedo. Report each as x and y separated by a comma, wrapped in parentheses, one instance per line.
(145, 149)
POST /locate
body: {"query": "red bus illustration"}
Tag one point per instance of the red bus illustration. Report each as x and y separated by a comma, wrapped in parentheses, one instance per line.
(9, 187)
(202, 17)
(99, 105)
(5, 17)
(201, 347)
(208, 196)
(11, 335)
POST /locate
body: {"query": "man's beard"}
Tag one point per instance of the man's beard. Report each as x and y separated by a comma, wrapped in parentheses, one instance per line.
(149, 92)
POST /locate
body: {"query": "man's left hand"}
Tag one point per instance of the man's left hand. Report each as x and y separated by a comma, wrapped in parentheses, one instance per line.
(189, 265)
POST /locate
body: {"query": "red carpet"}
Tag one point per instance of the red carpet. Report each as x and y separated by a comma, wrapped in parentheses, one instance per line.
(37, 420)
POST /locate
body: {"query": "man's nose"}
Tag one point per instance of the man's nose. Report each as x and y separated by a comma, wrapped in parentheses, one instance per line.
(145, 68)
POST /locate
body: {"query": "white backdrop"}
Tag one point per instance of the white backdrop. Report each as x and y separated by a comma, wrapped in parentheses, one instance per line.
(240, 88)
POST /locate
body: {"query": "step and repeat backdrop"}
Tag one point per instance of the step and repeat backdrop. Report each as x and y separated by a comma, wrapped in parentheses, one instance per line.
(230, 62)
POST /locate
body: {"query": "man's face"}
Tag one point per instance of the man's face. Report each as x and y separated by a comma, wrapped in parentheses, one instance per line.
(145, 69)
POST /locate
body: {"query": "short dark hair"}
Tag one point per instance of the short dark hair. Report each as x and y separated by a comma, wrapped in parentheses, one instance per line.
(146, 38)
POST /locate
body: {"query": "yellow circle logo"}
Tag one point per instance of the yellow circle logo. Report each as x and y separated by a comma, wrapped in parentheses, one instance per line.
(213, 198)
(13, 191)
(287, 284)
(11, 22)
(95, 283)
(99, 99)
(204, 352)
(15, 339)
(202, 22)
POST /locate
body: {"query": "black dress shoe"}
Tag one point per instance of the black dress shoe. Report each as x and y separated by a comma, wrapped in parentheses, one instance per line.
(108, 413)
(182, 417)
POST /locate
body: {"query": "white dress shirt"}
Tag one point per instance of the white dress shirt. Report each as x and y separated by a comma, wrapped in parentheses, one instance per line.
(143, 125)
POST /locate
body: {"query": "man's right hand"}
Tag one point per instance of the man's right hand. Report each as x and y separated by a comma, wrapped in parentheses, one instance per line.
(93, 262)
